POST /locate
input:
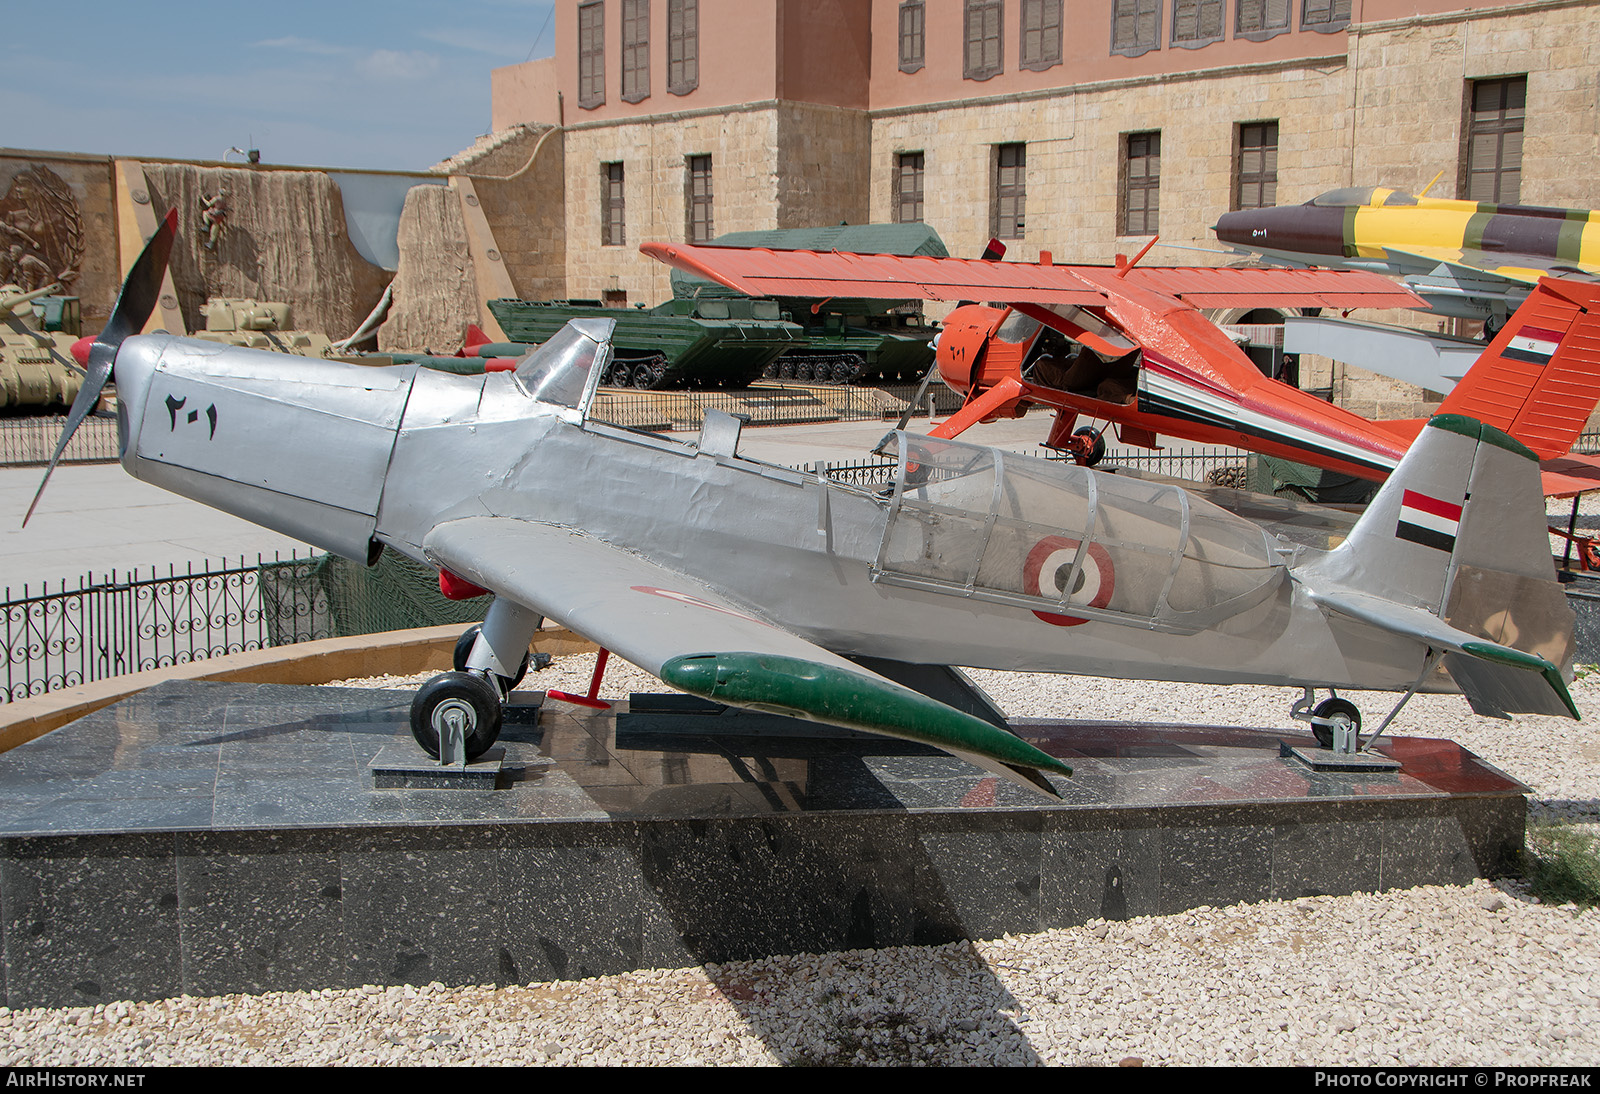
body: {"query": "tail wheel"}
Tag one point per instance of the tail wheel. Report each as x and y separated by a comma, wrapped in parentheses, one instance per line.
(456, 700)
(1331, 711)
(463, 650)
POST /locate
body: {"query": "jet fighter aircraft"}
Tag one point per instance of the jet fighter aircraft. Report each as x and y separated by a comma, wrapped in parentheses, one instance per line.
(1129, 345)
(1469, 259)
(765, 587)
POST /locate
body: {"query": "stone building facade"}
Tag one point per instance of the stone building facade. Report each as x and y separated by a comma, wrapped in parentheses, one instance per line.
(810, 113)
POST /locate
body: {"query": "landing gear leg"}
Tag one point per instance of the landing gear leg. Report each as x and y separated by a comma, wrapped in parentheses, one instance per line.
(1336, 723)
(456, 716)
(501, 648)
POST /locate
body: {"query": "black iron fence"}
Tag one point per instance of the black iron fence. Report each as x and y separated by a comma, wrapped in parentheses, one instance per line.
(771, 403)
(114, 624)
(31, 441)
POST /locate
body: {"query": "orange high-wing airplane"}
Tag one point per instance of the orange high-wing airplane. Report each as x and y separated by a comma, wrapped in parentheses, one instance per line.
(1128, 345)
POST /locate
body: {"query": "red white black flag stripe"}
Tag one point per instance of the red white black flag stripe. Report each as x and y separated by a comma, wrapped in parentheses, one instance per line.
(1535, 345)
(1429, 521)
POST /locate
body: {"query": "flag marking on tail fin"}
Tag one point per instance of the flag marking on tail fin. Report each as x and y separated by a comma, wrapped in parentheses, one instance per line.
(1428, 521)
(1535, 345)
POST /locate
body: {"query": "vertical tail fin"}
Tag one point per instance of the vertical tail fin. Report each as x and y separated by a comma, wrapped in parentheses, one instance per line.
(1539, 380)
(1453, 553)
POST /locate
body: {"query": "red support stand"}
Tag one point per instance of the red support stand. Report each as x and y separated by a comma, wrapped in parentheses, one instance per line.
(591, 699)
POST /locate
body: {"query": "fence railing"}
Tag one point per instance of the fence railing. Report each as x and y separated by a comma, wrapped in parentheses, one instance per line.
(26, 441)
(117, 624)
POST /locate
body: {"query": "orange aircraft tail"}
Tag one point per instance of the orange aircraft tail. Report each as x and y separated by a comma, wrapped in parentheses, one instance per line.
(1539, 380)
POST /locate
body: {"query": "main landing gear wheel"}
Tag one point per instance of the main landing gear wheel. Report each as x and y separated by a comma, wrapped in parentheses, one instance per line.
(1091, 448)
(464, 644)
(457, 699)
(1331, 711)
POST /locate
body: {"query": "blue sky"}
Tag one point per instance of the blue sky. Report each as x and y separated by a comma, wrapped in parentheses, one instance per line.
(397, 84)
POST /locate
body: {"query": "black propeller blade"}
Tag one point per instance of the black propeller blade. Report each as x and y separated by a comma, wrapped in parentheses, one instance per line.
(132, 311)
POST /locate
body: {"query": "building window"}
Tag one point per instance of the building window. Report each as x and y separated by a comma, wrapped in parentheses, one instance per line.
(1041, 34)
(983, 54)
(1010, 191)
(1141, 184)
(699, 199)
(591, 55)
(912, 22)
(1255, 175)
(1324, 16)
(908, 187)
(683, 46)
(1493, 167)
(1197, 23)
(1259, 20)
(612, 231)
(1135, 27)
(635, 50)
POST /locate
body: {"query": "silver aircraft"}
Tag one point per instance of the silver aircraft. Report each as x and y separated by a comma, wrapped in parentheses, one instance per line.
(774, 589)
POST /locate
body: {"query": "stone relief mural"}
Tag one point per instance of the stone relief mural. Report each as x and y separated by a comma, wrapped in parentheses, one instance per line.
(41, 230)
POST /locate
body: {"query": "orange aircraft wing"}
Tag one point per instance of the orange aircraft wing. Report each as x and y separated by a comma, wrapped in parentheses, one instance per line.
(759, 271)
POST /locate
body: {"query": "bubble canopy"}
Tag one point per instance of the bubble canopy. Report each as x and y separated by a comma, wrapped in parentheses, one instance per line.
(1067, 540)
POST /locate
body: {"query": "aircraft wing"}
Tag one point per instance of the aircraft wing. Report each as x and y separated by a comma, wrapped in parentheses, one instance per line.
(1522, 268)
(759, 271)
(697, 640)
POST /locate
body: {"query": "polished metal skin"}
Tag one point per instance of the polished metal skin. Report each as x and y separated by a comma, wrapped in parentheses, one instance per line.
(758, 585)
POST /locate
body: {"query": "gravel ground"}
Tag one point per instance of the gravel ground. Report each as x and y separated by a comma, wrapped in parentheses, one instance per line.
(1482, 974)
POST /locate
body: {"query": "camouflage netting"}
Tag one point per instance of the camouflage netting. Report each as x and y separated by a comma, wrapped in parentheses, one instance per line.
(332, 597)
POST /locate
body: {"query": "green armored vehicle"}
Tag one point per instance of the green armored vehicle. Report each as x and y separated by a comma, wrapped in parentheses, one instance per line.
(844, 339)
(37, 330)
(725, 342)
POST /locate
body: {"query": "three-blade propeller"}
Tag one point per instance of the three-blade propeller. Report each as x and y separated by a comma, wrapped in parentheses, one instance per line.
(134, 306)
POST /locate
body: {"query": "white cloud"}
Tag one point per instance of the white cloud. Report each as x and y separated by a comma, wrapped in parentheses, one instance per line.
(389, 64)
(305, 45)
(487, 43)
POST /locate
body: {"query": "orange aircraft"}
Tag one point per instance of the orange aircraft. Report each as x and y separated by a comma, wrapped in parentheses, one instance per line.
(1128, 345)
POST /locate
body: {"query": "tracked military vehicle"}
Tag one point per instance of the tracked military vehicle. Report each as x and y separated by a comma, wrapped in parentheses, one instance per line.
(257, 324)
(843, 339)
(723, 342)
(37, 330)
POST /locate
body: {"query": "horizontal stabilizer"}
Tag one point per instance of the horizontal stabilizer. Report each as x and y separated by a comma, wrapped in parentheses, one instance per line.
(1496, 679)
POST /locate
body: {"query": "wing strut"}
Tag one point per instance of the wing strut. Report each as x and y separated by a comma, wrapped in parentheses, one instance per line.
(1007, 390)
(593, 698)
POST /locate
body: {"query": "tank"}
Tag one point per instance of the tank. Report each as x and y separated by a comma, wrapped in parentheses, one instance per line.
(37, 330)
(843, 340)
(257, 324)
(724, 342)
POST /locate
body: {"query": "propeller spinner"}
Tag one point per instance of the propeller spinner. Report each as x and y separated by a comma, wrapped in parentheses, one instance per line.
(132, 311)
